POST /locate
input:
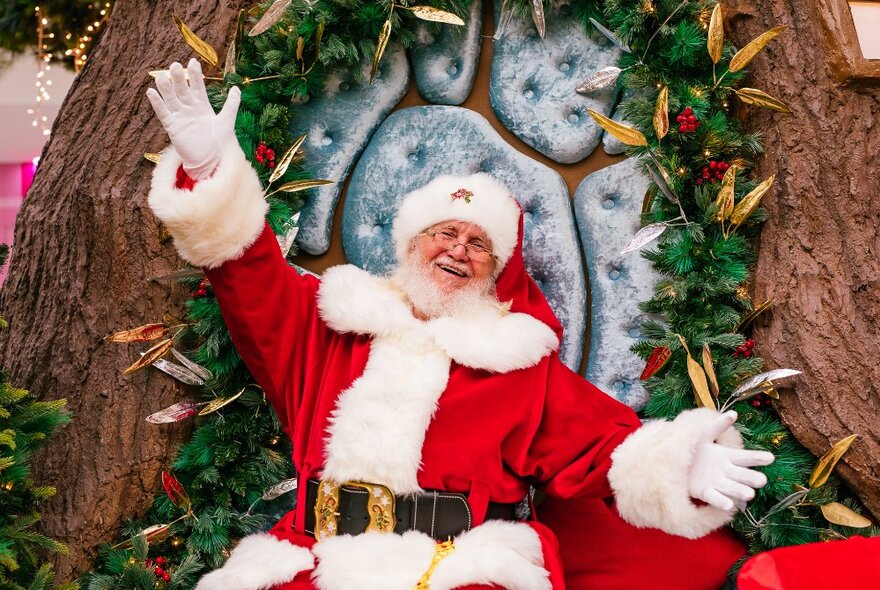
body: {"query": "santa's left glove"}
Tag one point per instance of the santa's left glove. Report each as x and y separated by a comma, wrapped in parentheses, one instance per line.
(720, 475)
(198, 134)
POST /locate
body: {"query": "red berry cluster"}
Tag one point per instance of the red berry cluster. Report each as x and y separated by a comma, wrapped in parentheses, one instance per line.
(159, 568)
(265, 155)
(713, 172)
(203, 288)
(762, 400)
(687, 122)
(745, 350)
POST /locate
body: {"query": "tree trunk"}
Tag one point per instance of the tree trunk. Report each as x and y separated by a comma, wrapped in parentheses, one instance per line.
(818, 257)
(86, 247)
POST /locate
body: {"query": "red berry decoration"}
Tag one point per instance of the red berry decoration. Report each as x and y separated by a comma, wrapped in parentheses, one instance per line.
(687, 122)
(265, 155)
(203, 288)
(714, 172)
(745, 350)
(158, 571)
(161, 561)
(166, 577)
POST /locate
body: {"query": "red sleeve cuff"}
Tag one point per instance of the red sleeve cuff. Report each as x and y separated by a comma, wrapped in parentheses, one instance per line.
(184, 181)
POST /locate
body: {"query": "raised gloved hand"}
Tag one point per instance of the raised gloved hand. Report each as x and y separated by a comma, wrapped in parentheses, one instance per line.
(198, 135)
(719, 475)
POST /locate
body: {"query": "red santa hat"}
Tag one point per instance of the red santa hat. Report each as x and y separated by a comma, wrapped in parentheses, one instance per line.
(478, 198)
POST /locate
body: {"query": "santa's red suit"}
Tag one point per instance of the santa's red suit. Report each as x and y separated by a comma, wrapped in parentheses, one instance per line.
(476, 403)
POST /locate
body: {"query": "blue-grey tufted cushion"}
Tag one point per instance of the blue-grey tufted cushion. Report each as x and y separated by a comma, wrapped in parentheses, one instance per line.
(533, 81)
(607, 205)
(444, 62)
(339, 123)
(416, 144)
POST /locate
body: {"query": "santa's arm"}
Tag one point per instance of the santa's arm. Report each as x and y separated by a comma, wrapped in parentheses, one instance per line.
(209, 197)
(588, 444)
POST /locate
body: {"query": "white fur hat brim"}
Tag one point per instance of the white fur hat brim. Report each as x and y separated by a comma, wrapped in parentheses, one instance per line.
(489, 205)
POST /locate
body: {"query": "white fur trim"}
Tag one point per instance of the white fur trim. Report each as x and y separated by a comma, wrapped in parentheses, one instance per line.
(219, 218)
(259, 561)
(493, 340)
(378, 426)
(503, 553)
(492, 207)
(649, 476)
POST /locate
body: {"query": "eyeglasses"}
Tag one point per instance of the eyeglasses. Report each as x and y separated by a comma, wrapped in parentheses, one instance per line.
(448, 240)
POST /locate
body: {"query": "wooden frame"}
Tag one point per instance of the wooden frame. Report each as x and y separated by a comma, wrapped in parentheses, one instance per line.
(842, 45)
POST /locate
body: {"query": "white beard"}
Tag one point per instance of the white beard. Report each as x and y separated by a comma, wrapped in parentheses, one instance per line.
(414, 279)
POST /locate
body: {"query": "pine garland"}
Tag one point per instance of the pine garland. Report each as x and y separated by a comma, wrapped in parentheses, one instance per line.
(25, 426)
(706, 263)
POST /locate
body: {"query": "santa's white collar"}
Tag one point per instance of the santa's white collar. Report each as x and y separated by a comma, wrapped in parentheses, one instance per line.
(485, 337)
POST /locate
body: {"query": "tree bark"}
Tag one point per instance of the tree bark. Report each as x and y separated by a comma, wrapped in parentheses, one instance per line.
(86, 246)
(818, 256)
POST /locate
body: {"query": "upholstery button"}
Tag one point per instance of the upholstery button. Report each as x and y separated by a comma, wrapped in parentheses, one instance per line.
(564, 66)
(377, 229)
(326, 140)
(412, 156)
(528, 93)
(343, 87)
(634, 332)
(618, 385)
(608, 203)
(527, 216)
(452, 70)
(614, 274)
(573, 118)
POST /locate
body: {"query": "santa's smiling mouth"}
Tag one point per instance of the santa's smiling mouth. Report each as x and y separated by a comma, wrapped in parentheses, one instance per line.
(452, 270)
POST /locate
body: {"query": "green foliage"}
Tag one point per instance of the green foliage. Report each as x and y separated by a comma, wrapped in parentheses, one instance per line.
(25, 426)
(706, 264)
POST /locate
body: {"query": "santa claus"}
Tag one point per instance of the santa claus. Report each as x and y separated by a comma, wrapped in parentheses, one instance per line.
(422, 405)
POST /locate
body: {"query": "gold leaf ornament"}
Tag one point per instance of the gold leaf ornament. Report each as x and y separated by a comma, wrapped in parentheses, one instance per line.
(381, 44)
(202, 49)
(747, 53)
(626, 134)
(724, 202)
(761, 99)
(434, 14)
(715, 41)
(287, 158)
(301, 185)
(750, 202)
(698, 379)
(153, 157)
(710, 370)
(837, 513)
(153, 354)
(140, 334)
(270, 18)
(826, 464)
(661, 113)
(220, 402)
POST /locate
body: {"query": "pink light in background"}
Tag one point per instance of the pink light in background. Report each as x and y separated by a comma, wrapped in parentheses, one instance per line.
(27, 175)
(15, 180)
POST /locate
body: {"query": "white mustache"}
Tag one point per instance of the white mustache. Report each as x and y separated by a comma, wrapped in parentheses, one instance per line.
(447, 260)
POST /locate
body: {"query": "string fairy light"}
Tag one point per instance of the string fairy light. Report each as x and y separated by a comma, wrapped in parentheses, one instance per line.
(43, 82)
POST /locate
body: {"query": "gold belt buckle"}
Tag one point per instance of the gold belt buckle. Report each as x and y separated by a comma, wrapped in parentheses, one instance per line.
(380, 507)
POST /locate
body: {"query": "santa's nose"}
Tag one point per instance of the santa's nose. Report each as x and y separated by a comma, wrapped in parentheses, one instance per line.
(459, 252)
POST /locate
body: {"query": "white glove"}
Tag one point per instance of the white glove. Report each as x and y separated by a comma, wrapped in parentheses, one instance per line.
(719, 474)
(198, 135)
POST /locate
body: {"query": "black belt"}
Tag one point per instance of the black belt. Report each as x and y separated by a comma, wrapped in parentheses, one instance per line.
(438, 514)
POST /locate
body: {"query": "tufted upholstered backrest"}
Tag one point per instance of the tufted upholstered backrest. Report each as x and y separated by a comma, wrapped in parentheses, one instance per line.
(416, 144)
